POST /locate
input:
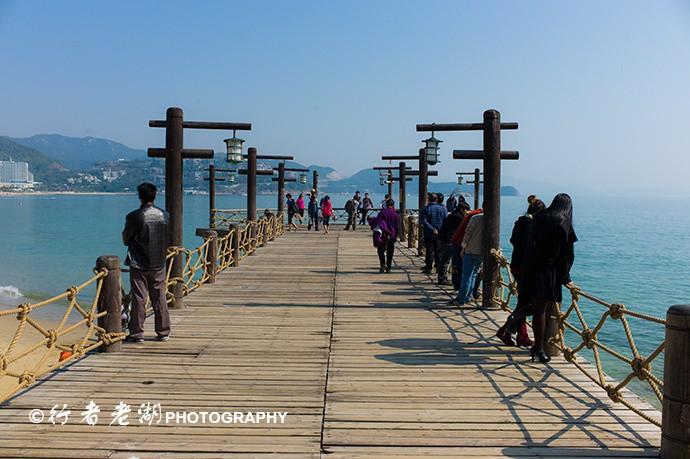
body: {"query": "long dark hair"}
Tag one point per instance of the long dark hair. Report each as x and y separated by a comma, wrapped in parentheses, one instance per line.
(560, 211)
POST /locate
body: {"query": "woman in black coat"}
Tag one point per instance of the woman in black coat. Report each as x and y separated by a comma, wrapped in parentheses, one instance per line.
(520, 239)
(547, 266)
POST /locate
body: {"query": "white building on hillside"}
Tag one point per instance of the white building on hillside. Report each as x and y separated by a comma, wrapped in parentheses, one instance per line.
(15, 174)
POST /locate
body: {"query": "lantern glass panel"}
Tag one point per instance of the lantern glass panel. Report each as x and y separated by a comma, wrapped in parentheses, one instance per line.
(303, 178)
(234, 149)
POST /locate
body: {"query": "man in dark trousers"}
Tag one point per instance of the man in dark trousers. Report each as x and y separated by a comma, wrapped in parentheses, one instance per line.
(432, 217)
(350, 210)
(146, 236)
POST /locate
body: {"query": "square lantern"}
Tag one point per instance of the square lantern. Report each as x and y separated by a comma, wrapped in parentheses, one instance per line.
(234, 149)
(232, 177)
(382, 180)
(460, 180)
(303, 178)
(431, 150)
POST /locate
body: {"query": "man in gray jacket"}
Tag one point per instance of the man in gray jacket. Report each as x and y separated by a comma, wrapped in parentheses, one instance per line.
(471, 251)
(146, 236)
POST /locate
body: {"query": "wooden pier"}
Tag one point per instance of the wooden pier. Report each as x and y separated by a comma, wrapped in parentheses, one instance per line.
(366, 365)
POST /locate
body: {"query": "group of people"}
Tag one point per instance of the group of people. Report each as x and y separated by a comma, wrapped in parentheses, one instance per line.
(453, 234)
(543, 252)
(357, 210)
(317, 211)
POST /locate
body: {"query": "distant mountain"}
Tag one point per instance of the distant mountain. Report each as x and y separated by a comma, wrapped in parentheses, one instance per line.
(79, 153)
(367, 180)
(45, 169)
(105, 165)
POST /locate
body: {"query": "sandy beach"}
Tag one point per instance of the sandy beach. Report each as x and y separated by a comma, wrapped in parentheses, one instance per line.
(28, 338)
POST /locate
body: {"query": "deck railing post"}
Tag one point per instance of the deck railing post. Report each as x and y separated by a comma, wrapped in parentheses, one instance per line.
(675, 418)
(422, 200)
(234, 228)
(211, 252)
(251, 198)
(110, 300)
(211, 196)
(410, 232)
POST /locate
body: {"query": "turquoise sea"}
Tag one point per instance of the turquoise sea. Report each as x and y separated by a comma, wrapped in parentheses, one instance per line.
(630, 251)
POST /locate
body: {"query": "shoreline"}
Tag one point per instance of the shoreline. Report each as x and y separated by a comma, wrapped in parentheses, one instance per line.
(56, 193)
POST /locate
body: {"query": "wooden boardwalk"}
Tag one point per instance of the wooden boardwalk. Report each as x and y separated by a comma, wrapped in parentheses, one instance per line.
(366, 365)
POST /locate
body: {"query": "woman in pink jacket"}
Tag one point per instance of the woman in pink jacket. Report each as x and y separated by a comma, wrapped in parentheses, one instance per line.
(326, 213)
(300, 207)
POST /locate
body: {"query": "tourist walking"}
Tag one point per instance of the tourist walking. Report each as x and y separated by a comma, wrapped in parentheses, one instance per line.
(350, 210)
(520, 239)
(432, 218)
(366, 206)
(313, 213)
(291, 211)
(385, 226)
(383, 204)
(300, 207)
(547, 266)
(446, 246)
(326, 212)
(472, 254)
(146, 237)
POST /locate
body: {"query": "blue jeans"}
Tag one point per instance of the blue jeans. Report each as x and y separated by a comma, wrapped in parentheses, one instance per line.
(470, 267)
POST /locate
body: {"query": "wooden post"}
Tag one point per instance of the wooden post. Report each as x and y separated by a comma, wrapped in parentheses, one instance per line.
(315, 183)
(110, 299)
(174, 194)
(234, 228)
(281, 187)
(211, 253)
(251, 196)
(410, 231)
(492, 203)
(675, 422)
(423, 177)
(476, 188)
(212, 196)
(402, 194)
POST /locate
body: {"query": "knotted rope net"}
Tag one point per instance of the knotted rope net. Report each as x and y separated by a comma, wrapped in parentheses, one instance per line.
(575, 335)
(25, 358)
(22, 362)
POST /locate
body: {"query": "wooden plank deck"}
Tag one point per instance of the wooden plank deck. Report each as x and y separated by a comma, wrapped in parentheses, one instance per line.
(366, 365)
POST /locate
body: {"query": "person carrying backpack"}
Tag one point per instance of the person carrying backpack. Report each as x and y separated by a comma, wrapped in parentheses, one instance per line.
(291, 211)
(385, 226)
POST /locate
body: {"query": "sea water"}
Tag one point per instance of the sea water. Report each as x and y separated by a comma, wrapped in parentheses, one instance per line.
(630, 251)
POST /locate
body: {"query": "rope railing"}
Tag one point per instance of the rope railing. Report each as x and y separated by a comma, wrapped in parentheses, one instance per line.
(58, 345)
(224, 217)
(224, 254)
(573, 327)
(20, 366)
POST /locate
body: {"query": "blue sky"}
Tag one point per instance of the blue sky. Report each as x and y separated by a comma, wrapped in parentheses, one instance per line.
(601, 89)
